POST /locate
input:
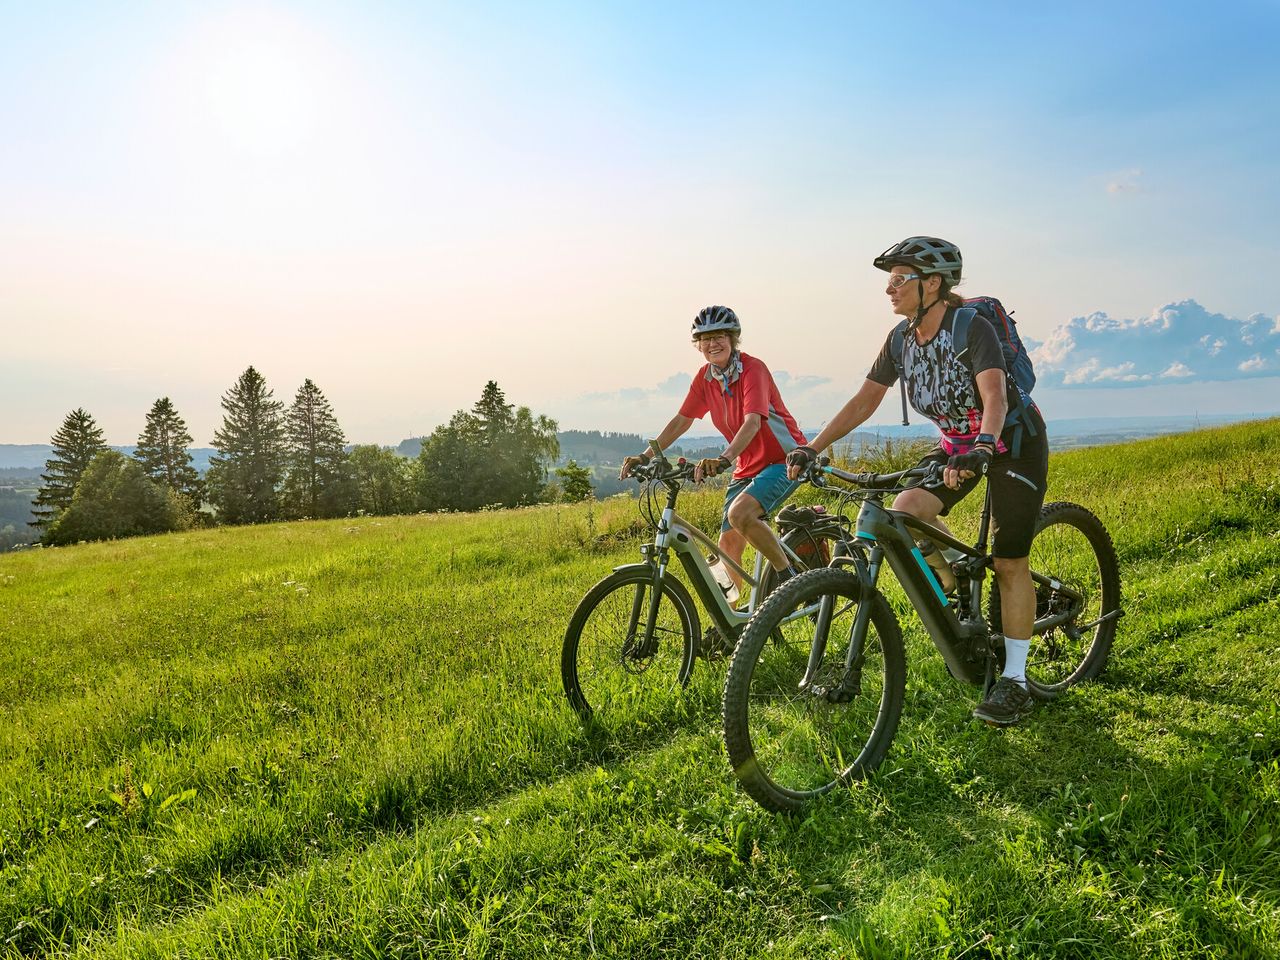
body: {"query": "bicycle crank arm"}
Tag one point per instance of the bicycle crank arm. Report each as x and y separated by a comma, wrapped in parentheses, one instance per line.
(1113, 615)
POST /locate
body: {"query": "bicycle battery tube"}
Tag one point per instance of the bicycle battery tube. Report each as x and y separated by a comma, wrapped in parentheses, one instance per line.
(875, 522)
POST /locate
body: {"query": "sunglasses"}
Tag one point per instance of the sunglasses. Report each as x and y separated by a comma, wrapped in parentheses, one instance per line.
(898, 279)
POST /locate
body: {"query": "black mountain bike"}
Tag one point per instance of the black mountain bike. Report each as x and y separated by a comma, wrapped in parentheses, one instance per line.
(815, 690)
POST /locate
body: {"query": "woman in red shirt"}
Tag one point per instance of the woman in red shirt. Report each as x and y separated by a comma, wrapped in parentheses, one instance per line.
(738, 392)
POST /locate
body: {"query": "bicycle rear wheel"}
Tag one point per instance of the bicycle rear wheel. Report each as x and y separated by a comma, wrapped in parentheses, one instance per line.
(609, 659)
(788, 745)
(1077, 585)
(813, 548)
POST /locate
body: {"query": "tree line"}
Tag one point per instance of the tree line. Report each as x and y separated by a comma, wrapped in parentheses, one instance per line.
(274, 463)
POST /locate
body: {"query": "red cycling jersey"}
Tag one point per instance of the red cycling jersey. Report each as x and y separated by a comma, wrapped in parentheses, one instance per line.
(752, 391)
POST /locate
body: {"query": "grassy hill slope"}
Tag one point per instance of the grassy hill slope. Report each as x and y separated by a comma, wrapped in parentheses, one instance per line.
(348, 739)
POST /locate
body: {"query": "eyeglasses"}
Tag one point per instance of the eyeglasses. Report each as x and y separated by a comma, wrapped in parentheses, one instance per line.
(707, 337)
(898, 279)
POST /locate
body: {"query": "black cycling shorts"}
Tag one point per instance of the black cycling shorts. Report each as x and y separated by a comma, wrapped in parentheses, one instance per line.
(1017, 493)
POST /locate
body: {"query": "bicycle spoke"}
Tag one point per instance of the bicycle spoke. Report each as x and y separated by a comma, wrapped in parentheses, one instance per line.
(613, 664)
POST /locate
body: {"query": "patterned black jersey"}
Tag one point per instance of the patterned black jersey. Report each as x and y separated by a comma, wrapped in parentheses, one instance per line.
(941, 384)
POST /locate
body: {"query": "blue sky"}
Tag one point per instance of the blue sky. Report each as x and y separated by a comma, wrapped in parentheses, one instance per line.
(404, 200)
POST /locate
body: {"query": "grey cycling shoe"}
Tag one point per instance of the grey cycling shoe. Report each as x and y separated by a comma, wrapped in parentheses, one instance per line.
(1008, 702)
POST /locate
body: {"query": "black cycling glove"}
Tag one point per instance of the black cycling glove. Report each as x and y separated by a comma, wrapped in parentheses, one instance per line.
(801, 457)
(976, 460)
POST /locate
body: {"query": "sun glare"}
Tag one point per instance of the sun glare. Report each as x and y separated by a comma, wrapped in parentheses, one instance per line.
(262, 98)
(262, 81)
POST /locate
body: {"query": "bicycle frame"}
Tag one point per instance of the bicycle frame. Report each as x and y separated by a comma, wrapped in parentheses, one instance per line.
(892, 534)
(889, 534)
(674, 533)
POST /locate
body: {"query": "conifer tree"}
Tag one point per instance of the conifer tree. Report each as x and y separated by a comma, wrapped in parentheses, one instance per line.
(492, 417)
(318, 479)
(244, 475)
(162, 451)
(76, 443)
(492, 412)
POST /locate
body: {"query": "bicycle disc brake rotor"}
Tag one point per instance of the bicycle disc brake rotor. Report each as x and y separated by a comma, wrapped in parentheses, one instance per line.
(636, 659)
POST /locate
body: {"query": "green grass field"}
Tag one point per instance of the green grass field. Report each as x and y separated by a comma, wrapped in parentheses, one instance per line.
(348, 739)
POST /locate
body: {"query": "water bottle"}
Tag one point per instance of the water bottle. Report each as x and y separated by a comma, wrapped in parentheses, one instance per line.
(939, 562)
(721, 573)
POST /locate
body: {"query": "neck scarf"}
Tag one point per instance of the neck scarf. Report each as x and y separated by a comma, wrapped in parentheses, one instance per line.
(727, 374)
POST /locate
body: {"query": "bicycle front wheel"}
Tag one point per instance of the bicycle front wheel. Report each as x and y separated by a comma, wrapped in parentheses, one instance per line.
(1077, 581)
(610, 657)
(789, 742)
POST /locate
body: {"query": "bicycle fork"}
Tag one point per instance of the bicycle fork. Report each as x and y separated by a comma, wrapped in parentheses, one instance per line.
(641, 646)
(850, 685)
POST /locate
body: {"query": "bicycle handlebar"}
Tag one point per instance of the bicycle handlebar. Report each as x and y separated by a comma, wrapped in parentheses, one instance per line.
(872, 481)
(659, 468)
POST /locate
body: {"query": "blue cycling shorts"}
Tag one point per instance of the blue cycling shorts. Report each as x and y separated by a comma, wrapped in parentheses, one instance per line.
(770, 488)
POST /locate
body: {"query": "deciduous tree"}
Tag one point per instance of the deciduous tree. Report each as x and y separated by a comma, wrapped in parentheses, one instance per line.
(115, 498)
(384, 480)
(449, 465)
(575, 482)
(495, 455)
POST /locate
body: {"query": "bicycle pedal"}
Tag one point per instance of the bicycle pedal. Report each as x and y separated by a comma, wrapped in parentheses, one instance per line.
(714, 646)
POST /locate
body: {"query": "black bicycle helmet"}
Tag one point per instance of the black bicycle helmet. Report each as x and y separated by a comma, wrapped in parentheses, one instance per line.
(927, 254)
(710, 319)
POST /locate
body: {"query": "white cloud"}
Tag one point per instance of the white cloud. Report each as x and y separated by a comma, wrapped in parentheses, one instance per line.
(1181, 341)
(1213, 346)
(1055, 350)
(1254, 329)
(1082, 374)
(1122, 372)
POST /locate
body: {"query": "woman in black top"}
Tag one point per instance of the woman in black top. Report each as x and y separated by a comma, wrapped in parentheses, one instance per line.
(968, 395)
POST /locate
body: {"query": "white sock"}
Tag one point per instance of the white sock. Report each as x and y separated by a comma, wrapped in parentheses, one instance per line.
(1015, 659)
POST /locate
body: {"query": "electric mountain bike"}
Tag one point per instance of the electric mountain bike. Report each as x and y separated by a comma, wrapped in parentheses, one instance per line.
(814, 693)
(635, 634)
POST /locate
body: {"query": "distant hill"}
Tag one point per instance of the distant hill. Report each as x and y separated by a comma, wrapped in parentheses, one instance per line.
(34, 455)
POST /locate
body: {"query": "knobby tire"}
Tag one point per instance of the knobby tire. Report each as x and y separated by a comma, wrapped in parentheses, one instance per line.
(786, 745)
(1072, 546)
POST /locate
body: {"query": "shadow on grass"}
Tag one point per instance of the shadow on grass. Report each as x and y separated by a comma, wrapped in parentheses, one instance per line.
(1058, 826)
